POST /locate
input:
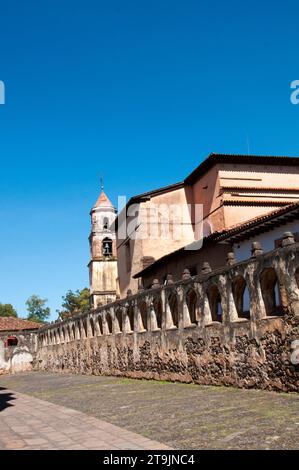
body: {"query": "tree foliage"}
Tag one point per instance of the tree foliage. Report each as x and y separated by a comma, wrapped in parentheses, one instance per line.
(7, 310)
(74, 302)
(36, 309)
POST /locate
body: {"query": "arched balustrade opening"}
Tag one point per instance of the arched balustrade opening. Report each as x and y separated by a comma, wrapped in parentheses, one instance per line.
(119, 318)
(85, 327)
(214, 298)
(192, 302)
(143, 313)
(173, 305)
(100, 323)
(157, 303)
(270, 292)
(109, 322)
(92, 327)
(63, 334)
(130, 313)
(69, 336)
(241, 297)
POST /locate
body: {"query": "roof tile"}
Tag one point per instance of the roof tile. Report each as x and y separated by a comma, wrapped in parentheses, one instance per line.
(16, 324)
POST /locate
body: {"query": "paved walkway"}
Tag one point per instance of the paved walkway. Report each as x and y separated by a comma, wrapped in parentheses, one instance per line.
(182, 416)
(29, 423)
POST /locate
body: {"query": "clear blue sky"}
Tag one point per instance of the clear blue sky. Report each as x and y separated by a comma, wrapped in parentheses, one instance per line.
(138, 91)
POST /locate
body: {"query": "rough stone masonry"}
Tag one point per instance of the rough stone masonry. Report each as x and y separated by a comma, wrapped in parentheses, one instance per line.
(193, 330)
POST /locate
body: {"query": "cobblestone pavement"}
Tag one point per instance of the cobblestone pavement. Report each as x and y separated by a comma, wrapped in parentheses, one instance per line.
(183, 416)
(29, 423)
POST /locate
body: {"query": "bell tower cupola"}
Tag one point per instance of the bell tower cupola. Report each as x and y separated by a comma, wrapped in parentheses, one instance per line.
(102, 241)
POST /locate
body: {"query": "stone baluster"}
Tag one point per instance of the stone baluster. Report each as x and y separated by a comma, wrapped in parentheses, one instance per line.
(136, 320)
(206, 268)
(256, 249)
(96, 325)
(113, 319)
(289, 275)
(225, 299)
(230, 258)
(206, 310)
(140, 326)
(126, 320)
(167, 321)
(153, 318)
(186, 275)
(257, 306)
(288, 239)
(183, 312)
(156, 284)
(169, 280)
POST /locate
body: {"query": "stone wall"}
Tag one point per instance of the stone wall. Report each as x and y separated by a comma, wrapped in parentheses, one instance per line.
(195, 330)
(20, 357)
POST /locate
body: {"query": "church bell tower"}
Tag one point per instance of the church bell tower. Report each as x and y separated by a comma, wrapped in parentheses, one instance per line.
(103, 263)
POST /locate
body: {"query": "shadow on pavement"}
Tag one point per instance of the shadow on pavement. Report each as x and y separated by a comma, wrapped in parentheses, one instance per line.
(5, 398)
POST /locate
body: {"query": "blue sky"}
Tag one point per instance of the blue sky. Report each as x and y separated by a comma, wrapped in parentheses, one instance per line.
(139, 92)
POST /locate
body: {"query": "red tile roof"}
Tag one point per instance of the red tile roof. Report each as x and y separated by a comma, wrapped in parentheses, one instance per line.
(215, 158)
(16, 324)
(103, 201)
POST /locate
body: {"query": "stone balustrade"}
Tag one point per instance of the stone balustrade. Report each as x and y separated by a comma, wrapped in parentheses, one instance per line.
(253, 302)
(212, 297)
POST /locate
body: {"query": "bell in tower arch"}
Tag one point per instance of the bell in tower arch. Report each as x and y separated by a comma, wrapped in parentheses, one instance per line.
(107, 247)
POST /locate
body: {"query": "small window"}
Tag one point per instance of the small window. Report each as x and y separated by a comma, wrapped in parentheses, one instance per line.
(12, 341)
(105, 223)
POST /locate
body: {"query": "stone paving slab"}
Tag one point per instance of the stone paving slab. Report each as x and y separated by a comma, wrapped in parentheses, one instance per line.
(29, 423)
(183, 416)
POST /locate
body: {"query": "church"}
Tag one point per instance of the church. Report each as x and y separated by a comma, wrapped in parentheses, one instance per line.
(243, 199)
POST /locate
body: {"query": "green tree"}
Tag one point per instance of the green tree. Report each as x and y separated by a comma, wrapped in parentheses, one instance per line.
(36, 309)
(7, 310)
(74, 302)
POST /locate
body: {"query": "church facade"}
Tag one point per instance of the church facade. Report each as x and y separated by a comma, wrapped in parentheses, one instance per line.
(231, 190)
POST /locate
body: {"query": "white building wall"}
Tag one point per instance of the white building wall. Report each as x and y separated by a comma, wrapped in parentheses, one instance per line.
(243, 249)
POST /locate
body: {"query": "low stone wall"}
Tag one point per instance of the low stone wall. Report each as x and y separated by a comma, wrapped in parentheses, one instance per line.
(195, 330)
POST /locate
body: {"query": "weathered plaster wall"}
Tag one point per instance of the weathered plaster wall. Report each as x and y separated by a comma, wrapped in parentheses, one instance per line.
(216, 254)
(192, 331)
(148, 241)
(17, 358)
(266, 239)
